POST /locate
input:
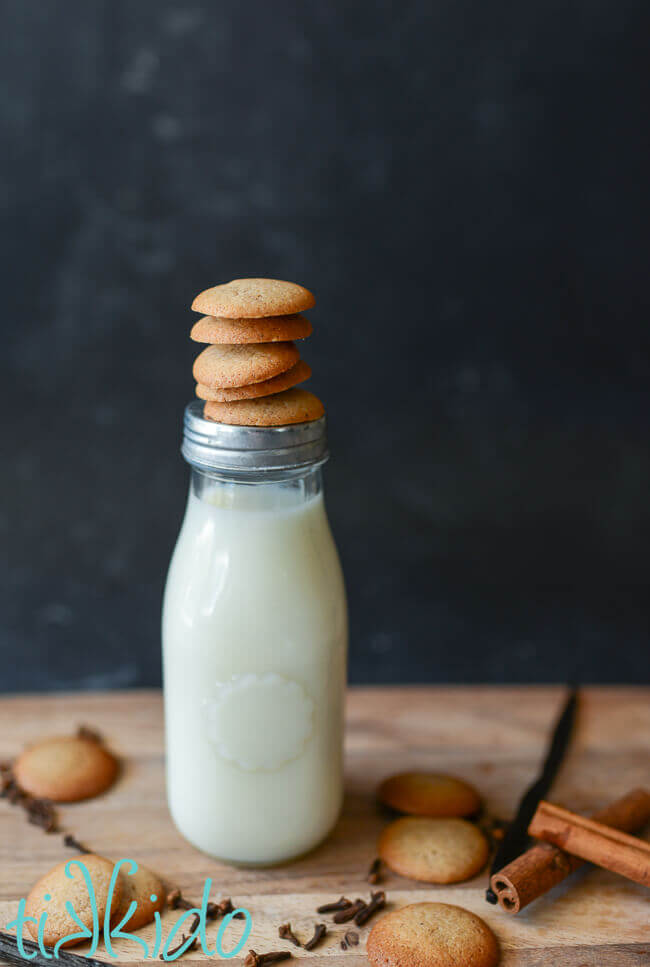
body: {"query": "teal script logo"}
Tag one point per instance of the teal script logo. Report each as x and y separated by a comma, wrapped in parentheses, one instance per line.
(165, 950)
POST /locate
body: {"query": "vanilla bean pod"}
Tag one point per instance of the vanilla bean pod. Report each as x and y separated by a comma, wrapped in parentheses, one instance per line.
(9, 952)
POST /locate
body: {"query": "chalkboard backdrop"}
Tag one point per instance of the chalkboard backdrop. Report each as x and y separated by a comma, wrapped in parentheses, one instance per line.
(464, 187)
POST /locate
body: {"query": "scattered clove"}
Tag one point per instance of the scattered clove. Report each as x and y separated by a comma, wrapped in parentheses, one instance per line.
(261, 960)
(176, 900)
(377, 901)
(319, 932)
(286, 933)
(350, 912)
(341, 904)
(351, 938)
(193, 926)
(73, 843)
(41, 812)
(374, 873)
(85, 732)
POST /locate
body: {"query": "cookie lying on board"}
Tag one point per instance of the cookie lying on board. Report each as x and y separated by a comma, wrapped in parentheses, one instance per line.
(65, 768)
(432, 935)
(146, 889)
(433, 850)
(51, 893)
(429, 794)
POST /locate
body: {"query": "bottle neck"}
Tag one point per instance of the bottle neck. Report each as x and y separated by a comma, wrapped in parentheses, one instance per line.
(280, 489)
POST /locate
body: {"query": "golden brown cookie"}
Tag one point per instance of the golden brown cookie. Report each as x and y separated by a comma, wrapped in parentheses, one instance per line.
(146, 889)
(221, 367)
(232, 331)
(297, 374)
(252, 298)
(292, 406)
(60, 888)
(432, 935)
(429, 794)
(433, 850)
(65, 769)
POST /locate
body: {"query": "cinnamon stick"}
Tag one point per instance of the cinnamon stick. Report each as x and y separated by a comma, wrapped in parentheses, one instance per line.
(544, 866)
(592, 841)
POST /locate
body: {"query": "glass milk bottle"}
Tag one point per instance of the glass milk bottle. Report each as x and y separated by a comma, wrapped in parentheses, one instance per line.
(254, 645)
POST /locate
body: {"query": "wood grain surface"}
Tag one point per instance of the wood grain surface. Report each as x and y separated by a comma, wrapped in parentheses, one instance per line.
(494, 737)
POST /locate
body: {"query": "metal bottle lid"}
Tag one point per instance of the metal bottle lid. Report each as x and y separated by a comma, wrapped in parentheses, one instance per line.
(219, 446)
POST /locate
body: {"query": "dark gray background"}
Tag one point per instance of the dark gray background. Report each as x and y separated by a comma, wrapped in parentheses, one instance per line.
(464, 186)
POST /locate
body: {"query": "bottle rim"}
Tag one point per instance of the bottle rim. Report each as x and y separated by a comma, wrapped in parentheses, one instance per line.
(221, 446)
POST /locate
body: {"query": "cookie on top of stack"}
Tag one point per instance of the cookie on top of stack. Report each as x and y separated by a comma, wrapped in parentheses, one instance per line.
(250, 370)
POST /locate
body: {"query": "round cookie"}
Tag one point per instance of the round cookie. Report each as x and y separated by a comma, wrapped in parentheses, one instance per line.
(61, 888)
(433, 850)
(140, 886)
(429, 794)
(253, 298)
(432, 935)
(292, 406)
(221, 367)
(232, 331)
(297, 374)
(65, 769)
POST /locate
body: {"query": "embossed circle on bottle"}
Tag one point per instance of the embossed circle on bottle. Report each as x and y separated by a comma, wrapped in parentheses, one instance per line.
(259, 722)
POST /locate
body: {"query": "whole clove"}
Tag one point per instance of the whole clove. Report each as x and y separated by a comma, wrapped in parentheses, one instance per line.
(286, 933)
(377, 902)
(176, 900)
(92, 735)
(224, 907)
(41, 812)
(261, 960)
(351, 912)
(374, 873)
(341, 904)
(213, 911)
(193, 926)
(171, 953)
(319, 932)
(73, 843)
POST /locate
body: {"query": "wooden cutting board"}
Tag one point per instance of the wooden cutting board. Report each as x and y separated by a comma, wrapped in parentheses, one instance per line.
(494, 737)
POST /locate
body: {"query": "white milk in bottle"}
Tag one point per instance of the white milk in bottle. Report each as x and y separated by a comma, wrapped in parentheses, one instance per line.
(254, 645)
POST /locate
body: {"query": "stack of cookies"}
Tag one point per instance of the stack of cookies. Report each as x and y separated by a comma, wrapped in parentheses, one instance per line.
(248, 373)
